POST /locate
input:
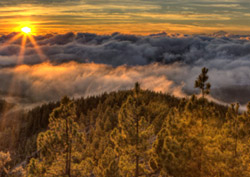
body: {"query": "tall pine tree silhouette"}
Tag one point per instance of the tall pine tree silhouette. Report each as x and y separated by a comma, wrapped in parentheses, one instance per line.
(204, 86)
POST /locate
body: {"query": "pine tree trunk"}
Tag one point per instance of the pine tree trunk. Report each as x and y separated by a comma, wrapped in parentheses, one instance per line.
(137, 142)
(67, 168)
(137, 166)
(203, 93)
(201, 151)
(236, 138)
(202, 134)
(70, 149)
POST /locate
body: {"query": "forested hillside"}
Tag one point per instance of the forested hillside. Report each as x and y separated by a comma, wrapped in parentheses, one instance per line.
(129, 133)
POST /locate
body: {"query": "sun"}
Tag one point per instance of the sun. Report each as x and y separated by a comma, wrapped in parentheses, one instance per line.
(26, 30)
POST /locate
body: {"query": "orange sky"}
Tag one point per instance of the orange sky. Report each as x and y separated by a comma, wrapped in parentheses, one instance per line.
(127, 16)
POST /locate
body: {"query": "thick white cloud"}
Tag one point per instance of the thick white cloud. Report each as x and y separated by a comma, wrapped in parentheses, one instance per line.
(45, 82)
(90, 64)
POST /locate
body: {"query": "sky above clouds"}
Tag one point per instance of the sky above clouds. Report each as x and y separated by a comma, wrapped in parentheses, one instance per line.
(126, 16)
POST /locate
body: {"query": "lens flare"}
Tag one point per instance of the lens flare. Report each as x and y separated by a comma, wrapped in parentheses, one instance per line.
(26, 30)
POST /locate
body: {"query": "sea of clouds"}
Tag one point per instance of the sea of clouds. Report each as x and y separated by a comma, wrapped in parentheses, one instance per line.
(87, 64)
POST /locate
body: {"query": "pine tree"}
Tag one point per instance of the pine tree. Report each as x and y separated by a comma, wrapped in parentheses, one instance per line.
(132, 137)
(4, 159)
(170, 151)
(246, 120)
(204, 86)
(235, 135)
(201, 83)
(59, 142)
(177, 146)
(108, 164)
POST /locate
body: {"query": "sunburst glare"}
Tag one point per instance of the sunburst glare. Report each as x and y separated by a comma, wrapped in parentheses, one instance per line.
(26, 33)
(26, 30)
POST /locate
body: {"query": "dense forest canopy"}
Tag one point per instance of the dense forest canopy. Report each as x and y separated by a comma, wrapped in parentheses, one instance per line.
(128, 133)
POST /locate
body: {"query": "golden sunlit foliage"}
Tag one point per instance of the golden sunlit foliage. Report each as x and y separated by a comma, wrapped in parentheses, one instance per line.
(60, 145)
(132, 133)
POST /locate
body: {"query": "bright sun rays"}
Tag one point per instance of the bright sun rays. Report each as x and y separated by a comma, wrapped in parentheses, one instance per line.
(26, 35)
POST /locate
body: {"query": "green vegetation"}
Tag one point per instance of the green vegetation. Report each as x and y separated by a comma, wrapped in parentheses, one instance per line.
(130, 133)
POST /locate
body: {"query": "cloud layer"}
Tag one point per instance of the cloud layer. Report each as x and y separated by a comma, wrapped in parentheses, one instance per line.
(88, 64)
(118, 49)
